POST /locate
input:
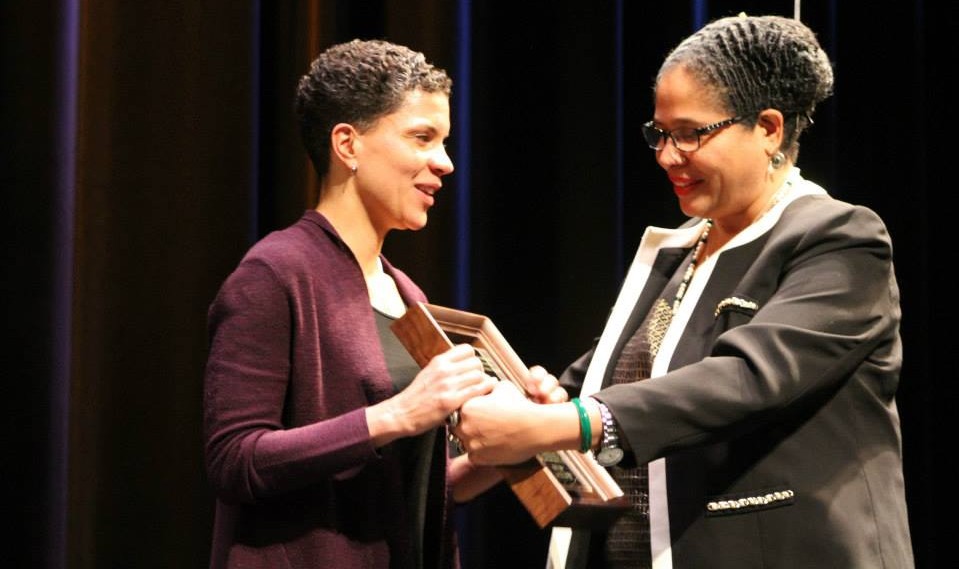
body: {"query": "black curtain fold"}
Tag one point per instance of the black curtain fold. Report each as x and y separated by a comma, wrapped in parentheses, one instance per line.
(186, 152)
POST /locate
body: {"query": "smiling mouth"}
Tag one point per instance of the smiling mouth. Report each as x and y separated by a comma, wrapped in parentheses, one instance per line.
(683, 187)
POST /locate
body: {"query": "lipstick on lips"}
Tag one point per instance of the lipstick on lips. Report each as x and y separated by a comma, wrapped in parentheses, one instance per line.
(682, 185)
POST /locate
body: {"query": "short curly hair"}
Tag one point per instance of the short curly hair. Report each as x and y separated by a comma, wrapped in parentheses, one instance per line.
(358, 82)
(752, 63)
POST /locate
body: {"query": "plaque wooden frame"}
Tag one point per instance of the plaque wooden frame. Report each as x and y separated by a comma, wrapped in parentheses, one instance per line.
(562, 488)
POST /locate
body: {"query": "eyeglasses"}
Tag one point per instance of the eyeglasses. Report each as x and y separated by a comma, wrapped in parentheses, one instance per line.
(685, 139)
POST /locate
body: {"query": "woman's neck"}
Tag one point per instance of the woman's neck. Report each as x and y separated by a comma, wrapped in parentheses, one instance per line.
(724, 229)
(356, 230)
(384, 294)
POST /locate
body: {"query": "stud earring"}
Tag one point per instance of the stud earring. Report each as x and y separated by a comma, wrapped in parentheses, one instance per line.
(353, 169)
(776, 161)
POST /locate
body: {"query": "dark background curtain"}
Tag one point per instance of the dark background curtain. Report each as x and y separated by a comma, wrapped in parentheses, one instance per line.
(146, 145)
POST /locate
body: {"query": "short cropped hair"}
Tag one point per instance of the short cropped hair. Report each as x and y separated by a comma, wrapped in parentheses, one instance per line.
(752, 63)
(357, 83)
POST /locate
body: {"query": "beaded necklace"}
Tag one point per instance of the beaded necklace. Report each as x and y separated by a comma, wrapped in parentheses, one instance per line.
(688, 276)
(658, 320)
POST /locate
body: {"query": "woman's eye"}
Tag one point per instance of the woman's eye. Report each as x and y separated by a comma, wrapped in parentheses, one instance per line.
(686, 135)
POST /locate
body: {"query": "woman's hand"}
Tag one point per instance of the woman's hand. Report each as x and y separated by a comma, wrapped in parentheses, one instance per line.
(443, 386)
(505, 427)
(543, 387)
(469, 479)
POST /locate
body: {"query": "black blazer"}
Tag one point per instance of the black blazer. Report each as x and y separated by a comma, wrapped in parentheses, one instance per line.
(777, 417)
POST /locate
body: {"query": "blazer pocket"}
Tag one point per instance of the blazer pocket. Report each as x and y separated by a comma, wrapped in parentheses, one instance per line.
(742, 305)
(748, 502)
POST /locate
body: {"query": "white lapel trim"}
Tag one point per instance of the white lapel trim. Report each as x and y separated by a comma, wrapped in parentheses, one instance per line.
(654, 239)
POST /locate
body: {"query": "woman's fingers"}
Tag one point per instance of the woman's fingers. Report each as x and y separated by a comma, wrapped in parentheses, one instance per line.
(543, 387)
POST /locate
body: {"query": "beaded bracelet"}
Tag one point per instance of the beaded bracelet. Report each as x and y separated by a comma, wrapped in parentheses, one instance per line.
(585, 428)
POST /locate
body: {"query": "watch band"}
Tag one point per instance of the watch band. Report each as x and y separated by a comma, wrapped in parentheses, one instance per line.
(610, 452)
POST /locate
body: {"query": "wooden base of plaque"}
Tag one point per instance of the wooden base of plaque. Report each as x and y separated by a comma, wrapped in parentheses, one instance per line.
(562, 488)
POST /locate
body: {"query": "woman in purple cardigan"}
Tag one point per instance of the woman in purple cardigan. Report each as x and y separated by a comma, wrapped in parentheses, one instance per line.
(324, 441)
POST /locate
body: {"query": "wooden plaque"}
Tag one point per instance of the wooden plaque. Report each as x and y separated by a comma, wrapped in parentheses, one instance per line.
(562, 488)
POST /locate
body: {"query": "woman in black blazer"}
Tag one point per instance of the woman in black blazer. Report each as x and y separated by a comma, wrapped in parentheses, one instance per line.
(749, 366)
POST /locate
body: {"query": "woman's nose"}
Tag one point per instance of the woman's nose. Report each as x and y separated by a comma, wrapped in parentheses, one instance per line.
(669, 155)
(440, 162)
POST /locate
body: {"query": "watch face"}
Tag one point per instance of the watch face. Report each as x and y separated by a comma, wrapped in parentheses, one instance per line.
(609, 456)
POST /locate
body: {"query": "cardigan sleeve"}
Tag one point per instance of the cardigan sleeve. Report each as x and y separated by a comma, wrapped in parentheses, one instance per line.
(251, 451)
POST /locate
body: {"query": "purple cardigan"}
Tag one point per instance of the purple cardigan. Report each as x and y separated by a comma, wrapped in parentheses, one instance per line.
(294, 360)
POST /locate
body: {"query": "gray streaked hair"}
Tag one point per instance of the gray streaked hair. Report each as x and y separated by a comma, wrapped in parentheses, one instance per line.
(752, 63)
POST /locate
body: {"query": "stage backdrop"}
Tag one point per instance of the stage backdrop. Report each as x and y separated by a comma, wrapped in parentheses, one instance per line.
(147, 144)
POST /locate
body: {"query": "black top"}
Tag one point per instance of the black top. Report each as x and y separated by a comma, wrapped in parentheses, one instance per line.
(414, 452)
